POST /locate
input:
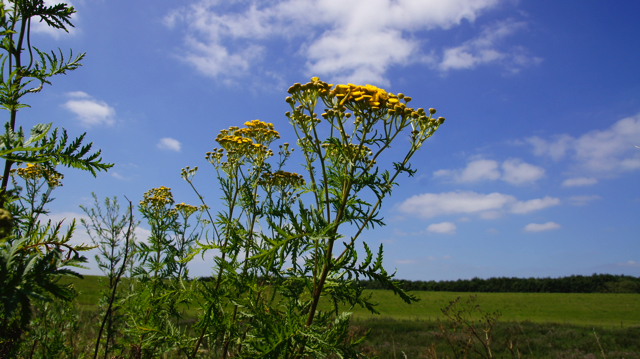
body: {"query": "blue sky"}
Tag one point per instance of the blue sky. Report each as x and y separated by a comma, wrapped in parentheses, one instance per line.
(534, 173)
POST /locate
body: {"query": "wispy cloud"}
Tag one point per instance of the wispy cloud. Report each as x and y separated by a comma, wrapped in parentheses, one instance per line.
(488, 206)
(583, 200)
(353, 41)
(596, 154)
(535, 227)
(632, 264)
(517, 172)
(477, 170)
(514, 171)
(534, 204)
(484, 49)
(443, 228)
(579, 181)
(88, 110)
(170, 144)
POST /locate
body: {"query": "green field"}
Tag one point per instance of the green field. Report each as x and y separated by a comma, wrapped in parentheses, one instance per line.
(593, 309)
(574, 308)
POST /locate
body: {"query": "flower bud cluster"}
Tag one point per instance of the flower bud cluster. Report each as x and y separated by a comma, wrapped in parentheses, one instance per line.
(157, 198)
(35, 172)
(215, 156)
(424, 125)
(186, 210)
(244, 143)
(315, 85)
(188, 173)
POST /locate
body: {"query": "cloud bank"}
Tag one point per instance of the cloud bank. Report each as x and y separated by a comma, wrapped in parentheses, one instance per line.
(442, 228)
(351, 41)
(599, 153)
(488, 206)
(535, 227)
(514, 171)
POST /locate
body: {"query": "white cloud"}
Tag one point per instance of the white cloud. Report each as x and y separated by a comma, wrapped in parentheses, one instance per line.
(474, 171)
(482, 50)
(632, 264)
(479, 170)
(429, 205)
(142, 234)
(518, 172)
(514, 171)
(444, 228)
(168, 143)
(213, 59)
(535, 227)
(490, 214)
(78, 94)
(489, 206)
(579, 181)
(534, 205)
(583, 200)
(599, 153)
(89, 111)
(353, 41)
(117, 175)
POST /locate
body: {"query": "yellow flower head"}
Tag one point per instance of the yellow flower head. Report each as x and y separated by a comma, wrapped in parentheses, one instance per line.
(157, 198)
(249, 142)
(30, 172)
(367, 96)
(35, 172)
(185, 210)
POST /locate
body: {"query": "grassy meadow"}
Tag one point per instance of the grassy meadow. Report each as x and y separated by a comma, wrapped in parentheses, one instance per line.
(532, 325)
(591, 309)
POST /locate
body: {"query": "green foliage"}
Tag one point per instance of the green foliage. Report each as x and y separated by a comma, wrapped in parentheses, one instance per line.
(279, 247)
(113, 235)
(54, 330)
(279, 254)
(33, 255)
(468, 329)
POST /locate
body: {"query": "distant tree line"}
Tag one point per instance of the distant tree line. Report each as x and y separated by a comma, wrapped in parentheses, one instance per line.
(596, 283)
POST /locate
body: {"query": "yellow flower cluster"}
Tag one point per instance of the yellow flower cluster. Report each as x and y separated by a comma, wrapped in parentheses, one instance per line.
(156, 198)
(185, 210)
(260, 132)
(249, 142)
(353, 97)
(367, 95)
(34, 172)
(281, 179)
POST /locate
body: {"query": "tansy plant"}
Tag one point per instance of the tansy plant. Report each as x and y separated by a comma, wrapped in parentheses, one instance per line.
(33, 255)
(280, 282)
